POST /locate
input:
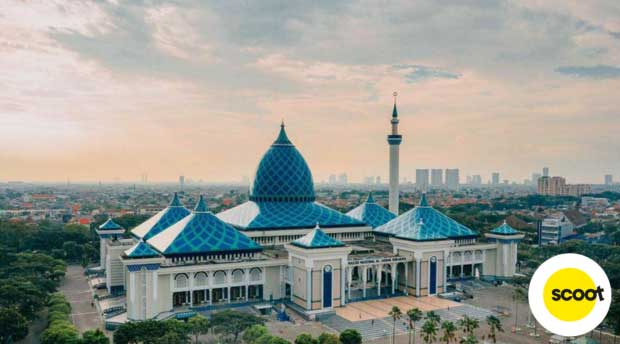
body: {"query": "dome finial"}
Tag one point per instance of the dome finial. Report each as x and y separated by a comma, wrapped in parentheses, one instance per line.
(282, 138)
(175, 202)
(423, 201)
(201, 206)
(370, 199)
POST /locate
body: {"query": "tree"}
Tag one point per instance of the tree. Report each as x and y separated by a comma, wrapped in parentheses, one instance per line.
(269, 339)
(415, 315)
(22, 294)
(517, 295)
(429, 331)
(252, 334)
(434, 317)
(94, 337)
(328, 338)
(305, 338)
(198, 325)
(495, 325)
(13, 326)
(232, 323)
(151, 331)
(60, 333)
(469, 324)
(350, 336)
(613, 317)
(449, 331)
(395, 313)
(470, 339)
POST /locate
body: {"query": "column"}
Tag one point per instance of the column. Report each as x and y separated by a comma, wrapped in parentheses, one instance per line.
(343, 295)
(132, 293)
(406, 278)
(211, 296)
(191, 292)
(418, 265)
(102, 252)
(350, 276)
(154, 278)
(246, 273)
(446, 256)
(364, 277)
(393, 266)
(308, 288)
(378, 280)
(228, 294)
(290, 275)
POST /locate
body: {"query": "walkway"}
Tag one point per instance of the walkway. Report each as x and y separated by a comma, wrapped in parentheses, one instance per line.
(78, 293)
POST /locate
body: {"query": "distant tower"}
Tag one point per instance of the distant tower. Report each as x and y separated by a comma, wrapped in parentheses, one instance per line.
(394, 140)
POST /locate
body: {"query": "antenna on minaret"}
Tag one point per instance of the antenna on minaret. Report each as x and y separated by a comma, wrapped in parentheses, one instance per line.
(395, 94)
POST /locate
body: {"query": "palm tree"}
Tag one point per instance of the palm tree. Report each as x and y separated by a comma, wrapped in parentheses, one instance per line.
(449, 331)
(517, 295)
(429, 331)
(469, 324)
(471, 339)
(395, 313)
(495, 325)
(414, 314)
(434, 317)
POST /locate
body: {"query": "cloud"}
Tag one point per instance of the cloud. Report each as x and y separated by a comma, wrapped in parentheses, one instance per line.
(594, 72)
(415, 73)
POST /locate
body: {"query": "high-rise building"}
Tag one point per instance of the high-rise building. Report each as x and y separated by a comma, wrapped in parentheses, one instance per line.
(609, 179)
(535, 177)
(556, 186)
(545, 171)
(476, 179)
(421, 179)
(394, 139)
(181, 181)
(333, 179)
(436, 177)
(495, 178)
(452, 178)
(378, 182)
(343, 179)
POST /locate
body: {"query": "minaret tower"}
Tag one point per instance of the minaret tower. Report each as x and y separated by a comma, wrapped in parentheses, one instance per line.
(394, 140)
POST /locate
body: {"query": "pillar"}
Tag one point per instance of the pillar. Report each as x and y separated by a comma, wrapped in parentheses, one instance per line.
(343, 295)
(393, 266)
(154, 278)
(308, 288)
(417, 276)
(378, 280)
(364, 277)
(132, 293)
(350, 277)
(406, 278)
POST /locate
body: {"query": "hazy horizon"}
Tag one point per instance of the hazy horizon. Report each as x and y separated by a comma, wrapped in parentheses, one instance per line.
(109, 90)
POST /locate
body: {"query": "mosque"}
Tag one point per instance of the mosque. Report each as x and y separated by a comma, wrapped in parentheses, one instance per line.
(283, 245)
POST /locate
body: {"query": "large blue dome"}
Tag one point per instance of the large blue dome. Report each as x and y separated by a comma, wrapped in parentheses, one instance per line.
(282, 174)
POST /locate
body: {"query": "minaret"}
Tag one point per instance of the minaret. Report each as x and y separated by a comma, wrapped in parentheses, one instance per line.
(394, 140)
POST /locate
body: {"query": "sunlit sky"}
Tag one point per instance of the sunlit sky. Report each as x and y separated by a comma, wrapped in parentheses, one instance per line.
(109, 90)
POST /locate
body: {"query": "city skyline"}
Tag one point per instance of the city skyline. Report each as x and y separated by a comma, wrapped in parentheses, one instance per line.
(100, 91)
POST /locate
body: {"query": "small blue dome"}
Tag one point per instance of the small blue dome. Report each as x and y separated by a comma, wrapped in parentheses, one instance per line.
(283, 174)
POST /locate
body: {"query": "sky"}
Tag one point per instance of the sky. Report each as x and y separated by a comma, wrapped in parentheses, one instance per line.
(109, 90)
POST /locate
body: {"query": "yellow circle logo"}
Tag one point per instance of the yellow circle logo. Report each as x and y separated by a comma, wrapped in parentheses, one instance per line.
(569, 294)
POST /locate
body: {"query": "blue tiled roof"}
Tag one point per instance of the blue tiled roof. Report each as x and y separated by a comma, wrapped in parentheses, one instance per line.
(141, 250)
(317, 239)
(371, 213)
(202, 232)
(162, 220)
(425, 223)
(110, 225)
(394, 111)
(421, 232)
(282, 174)
(505, 229)
(277, 215)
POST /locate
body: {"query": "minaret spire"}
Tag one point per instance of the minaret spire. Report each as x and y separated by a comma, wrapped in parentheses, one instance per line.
(394, 140)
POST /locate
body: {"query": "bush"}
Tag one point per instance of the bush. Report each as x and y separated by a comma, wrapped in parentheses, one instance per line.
(305, 338)
(328, 338)
(350, 336)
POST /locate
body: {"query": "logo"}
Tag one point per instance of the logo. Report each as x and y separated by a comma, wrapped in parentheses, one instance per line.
(569, 294)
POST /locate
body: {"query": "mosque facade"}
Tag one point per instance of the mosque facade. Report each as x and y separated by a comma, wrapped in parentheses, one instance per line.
(283, 245)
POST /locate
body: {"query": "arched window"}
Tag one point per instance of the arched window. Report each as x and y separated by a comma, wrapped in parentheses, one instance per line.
(181, 281)
(237, 276)
(256, 275)
(200, 279)
(219, 277)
